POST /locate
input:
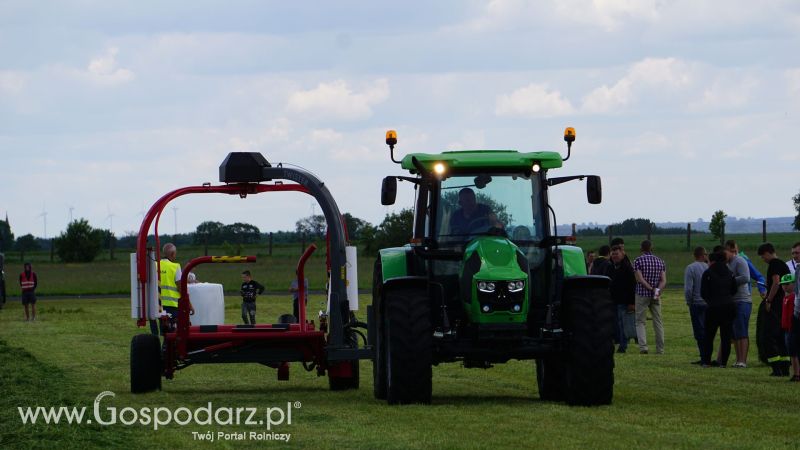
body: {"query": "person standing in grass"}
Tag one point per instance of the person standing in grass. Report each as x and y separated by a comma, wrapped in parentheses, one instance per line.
(601, 262)
(651, 277)
(169, 290)
(28, 281)
(623, 292)
(790, 324)
(692, 278)
(743, 301)
(250, 289)
(717, 287)
(794, 262)
(770, 340)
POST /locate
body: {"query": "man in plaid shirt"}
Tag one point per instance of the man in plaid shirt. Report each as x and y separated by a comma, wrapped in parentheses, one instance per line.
(651, 277)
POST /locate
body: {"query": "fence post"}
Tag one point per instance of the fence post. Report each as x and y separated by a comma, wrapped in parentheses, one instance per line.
(764, 230)
(688, 236)
(573, 230)
(270, 243)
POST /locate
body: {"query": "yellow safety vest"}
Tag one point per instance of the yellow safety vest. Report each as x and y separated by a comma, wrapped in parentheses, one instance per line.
(169, 292)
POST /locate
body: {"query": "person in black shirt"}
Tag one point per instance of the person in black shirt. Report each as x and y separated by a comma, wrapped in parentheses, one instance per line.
(622, 287)
(717, 287)
(769, 335)
(250, 289)
(601, 264)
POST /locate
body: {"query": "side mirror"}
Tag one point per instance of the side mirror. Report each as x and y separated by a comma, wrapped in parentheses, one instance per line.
(594, 189)
(388, 191)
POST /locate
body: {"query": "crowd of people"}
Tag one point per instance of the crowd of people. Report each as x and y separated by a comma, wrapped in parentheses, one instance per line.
(717, 291)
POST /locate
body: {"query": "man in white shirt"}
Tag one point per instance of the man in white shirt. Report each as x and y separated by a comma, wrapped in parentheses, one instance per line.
(794, 262)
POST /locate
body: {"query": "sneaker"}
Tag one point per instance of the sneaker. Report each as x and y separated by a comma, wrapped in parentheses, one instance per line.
(705, 366)
(698, 362)
(715, 363)
(739, 365)
(795, 379)
(620, 350)
(642, 352)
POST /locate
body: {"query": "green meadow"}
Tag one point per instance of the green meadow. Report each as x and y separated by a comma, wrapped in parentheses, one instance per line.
(80, 347)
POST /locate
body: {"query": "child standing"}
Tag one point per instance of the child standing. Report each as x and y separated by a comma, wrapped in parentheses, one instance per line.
(250, 288)
(790, 325)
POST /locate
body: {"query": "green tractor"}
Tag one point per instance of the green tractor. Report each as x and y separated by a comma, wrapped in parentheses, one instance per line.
(486, 279)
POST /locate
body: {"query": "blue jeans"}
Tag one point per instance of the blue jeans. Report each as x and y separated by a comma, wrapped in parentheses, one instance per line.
(622, 340)
(698, 315)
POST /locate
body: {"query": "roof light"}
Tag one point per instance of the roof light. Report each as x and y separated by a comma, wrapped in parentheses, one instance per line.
(536, 167)
(439, 168)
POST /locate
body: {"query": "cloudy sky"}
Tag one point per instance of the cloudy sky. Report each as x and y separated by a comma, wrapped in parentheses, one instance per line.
(683, 107)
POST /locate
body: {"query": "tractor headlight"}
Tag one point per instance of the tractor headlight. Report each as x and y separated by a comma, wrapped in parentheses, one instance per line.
(516, 286)
(486, 286)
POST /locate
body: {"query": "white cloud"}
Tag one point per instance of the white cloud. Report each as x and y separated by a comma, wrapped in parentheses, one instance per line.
(793, 79)
(725, 93)
(104, 70)
(336, 100)
(608, 15)
(534, 100)
(651, 73)
(11, 82)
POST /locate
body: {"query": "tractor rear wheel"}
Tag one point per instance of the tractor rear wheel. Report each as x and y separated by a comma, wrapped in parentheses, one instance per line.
(589, 368)
(409, 353)
(550, 378)
(145, 363)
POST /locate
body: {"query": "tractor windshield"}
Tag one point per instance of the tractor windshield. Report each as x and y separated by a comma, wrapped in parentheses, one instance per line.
(497, 204)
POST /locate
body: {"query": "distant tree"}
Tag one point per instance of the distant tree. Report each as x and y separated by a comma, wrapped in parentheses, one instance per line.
(591, 231)
(79, 243)
(355, 226)
(796, 200)
(6, 236)
(209, 233)
(241, 233)
(632, 227)
(26, 243)
(395, 230)
(717, 224)
(312, 225)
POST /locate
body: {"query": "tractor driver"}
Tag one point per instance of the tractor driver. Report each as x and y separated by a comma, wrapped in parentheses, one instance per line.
(472, 217)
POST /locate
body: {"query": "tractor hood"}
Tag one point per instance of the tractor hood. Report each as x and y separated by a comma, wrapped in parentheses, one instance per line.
(498, 258)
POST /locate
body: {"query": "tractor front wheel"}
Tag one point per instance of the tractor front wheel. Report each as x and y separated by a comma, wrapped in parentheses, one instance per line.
(409, 342)
(145, 363)
(550, 378)
(589, 368)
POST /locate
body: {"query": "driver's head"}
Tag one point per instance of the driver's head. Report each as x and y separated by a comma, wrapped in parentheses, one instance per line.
(466, 200)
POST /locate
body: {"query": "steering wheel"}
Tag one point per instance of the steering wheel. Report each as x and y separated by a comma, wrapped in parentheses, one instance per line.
(478, 223)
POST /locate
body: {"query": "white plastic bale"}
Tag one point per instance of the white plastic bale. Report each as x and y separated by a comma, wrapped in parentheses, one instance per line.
(351, 255)
(135, 293)
(208, 300)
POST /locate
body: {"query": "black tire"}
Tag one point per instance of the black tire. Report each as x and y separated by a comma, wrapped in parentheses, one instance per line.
(346, 383)
(408, 333)
(589, 370)
(379, 361)
(145, 363)
(551, 379)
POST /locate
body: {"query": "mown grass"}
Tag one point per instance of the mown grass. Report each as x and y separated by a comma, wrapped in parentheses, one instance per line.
(660, 400)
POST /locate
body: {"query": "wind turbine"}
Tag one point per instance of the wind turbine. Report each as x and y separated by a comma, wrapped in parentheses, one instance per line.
(43, 215)
(70, 213)
(110, 218)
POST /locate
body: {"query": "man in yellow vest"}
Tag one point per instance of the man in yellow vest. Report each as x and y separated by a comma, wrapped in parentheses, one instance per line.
(170, 281)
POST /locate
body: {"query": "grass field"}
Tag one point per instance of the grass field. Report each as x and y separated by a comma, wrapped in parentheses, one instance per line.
(106, 276)
(80, 347)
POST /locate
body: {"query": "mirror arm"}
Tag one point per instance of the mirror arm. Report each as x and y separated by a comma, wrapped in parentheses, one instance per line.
(559, 180)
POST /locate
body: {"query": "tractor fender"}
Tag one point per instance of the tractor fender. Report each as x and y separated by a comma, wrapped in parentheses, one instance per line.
(587, 281)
